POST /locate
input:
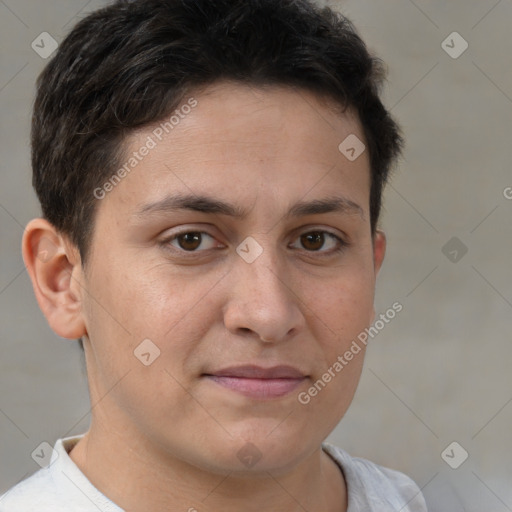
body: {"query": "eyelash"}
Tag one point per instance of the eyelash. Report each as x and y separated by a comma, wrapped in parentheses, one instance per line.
(341, 244)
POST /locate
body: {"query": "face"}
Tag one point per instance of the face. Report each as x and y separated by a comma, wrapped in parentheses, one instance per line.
(239, 248)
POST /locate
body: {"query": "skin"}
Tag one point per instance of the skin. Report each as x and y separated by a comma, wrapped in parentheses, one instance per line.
(163, 436)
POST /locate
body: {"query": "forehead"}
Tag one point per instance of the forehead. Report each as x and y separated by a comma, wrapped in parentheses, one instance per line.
(244, 141)
(273, 117)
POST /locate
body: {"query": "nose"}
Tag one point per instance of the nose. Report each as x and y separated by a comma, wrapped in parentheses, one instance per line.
(262, 302)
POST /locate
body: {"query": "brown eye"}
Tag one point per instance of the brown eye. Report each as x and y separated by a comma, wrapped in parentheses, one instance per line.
(322, 242)
(197, 242)
(189, 241)
(313, 241)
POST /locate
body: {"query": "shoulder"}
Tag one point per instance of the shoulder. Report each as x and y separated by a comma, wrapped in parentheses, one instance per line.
(31, 494)
(374, 487)
(58, 487)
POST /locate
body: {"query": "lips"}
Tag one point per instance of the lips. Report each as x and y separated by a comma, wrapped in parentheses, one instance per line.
(257, 372)
(257, 382)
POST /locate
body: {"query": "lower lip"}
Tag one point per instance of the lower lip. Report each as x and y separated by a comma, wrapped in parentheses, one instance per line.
(258, 388)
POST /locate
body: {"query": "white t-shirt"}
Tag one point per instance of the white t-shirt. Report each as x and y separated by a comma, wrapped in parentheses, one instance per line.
(62, 487)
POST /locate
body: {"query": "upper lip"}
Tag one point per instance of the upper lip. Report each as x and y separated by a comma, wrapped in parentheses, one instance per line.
(257, 372)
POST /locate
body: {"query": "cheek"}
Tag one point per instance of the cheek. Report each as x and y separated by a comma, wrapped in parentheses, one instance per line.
(152, 299)
(342, 305)
(325, 401)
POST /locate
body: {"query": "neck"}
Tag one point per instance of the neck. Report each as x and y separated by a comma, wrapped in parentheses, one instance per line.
(139, 477)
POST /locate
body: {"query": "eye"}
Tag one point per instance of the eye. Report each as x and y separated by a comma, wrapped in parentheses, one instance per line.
(320, 241)
(190, 241)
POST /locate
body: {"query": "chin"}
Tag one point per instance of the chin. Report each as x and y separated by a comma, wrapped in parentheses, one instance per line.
(260, 447)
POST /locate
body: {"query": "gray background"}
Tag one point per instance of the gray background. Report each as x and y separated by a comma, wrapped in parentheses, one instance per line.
(439, 372)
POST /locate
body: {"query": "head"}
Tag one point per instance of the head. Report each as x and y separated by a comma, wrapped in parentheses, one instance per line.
(199, 206)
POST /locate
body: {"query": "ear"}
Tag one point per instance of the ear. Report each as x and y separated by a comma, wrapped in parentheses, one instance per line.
(54, 266)
(379, 251)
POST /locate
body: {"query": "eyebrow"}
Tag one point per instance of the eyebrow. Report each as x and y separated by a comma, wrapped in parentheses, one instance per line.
(205, 204)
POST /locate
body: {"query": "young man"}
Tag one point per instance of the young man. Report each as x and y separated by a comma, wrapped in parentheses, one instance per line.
(210, 174)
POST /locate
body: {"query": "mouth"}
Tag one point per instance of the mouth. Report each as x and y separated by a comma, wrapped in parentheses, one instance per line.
(257, 382)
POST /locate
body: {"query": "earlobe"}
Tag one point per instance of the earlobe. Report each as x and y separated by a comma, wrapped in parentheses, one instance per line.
(54, 267)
